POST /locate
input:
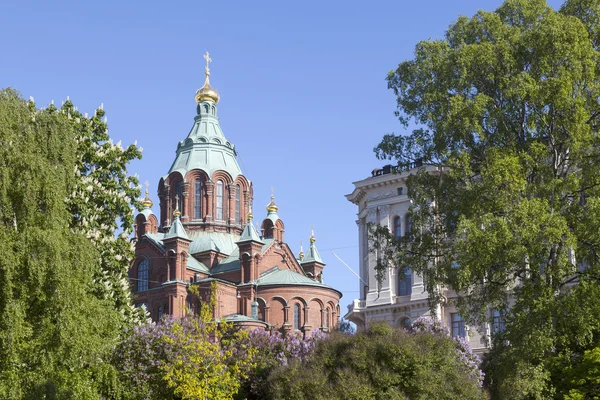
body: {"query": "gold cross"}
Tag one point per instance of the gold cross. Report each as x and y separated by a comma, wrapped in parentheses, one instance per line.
(208, 60)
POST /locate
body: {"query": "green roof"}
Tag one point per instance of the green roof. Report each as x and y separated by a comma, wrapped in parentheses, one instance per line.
(276, 276)
(312, 255)
(206, 147)
(176, 230)
(196, 265)
(218, 241)
(249, 233)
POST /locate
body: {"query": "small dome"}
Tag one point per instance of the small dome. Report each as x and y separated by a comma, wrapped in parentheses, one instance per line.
(272, 207)
(206, 92)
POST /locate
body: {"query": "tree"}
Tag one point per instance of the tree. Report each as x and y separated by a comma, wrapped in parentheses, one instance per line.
(56, 332)
(189, 358)
(381, 363)
(506, 110)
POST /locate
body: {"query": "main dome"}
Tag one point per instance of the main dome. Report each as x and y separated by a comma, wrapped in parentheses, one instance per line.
(206, 92)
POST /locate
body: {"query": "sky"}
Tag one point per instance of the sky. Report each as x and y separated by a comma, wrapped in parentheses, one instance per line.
(302, 85)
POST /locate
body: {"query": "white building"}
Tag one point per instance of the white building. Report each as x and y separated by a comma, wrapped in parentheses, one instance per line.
(382, 199)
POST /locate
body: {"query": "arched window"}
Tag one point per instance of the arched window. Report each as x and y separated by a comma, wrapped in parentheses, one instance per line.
(238, 196)
(408, 227)
(405, 282)
(297, 323)
(142, 276)
(397, 227)
(405, 323)
(327, 318)
(159, 313)
(220, 200)
(198, 199)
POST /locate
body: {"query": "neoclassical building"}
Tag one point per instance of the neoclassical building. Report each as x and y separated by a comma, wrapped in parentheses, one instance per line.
(400, 299)
(205, 233)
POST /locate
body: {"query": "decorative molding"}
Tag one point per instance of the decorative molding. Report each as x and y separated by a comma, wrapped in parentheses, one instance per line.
(381, 195)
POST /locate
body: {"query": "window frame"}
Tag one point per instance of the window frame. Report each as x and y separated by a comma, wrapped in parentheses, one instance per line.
(142, 282)
(457, 326)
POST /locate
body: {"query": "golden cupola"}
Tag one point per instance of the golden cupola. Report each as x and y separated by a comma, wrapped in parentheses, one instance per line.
(206, 92)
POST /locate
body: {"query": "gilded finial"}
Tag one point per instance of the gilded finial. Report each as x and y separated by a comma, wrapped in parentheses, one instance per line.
(146, 202)
(250, 216)
(176, 213)
(206, 92)
(272, 207)
(312, 235)
(208, 60)
(301, 254)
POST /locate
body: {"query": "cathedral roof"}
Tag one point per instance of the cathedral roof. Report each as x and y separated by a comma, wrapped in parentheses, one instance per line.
(277, 276)
(312, 255)
(176, 230)
(250, 233)
(206, 147)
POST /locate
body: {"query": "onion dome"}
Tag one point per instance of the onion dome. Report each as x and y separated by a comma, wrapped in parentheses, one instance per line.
(272, 207)
(312, 238)
(146, 202)
(206, 92)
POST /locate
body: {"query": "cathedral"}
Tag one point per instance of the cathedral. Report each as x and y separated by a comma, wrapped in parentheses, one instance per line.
(205, 233)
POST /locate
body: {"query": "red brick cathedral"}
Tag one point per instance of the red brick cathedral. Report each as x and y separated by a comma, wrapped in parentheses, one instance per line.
(206, 234)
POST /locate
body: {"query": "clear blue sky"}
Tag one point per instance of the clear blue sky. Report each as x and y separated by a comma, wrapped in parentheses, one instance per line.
(302, 85)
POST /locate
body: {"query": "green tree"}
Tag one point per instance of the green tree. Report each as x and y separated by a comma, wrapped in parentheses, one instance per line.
(381, 363)
(189, 358)
(57, 329)
(506, 117)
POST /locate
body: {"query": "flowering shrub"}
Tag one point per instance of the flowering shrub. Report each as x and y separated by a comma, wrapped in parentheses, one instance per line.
(271, 351)
(466, 356)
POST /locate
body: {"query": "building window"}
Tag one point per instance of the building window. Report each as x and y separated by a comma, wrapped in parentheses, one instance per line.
(400, 191)
(458, 325)
(405, 323)
(220, 200)
(405, 282)
(159, 313)
(142, 276)
(238, 197)
(408, 226)
(297, 323)
(497, 322)
(198, 199)
(397, 227)
(327, 318)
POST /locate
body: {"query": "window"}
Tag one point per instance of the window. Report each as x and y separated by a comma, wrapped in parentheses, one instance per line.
(238, 196)
(408, 226)
(400, 191)
(159, 313)
(397, 227)
(297, 323)
(327, 318)
(458, 325)
(142, 276)
(497, 322)
(405, 282)
(220, 200)
(405, 323)
(198, 199)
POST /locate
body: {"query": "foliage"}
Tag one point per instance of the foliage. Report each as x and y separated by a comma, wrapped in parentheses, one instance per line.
(100, 205)
(381, 363)
(271, 350)
(56, 334)
(190, 358)
(584, 378)
(506, 210)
